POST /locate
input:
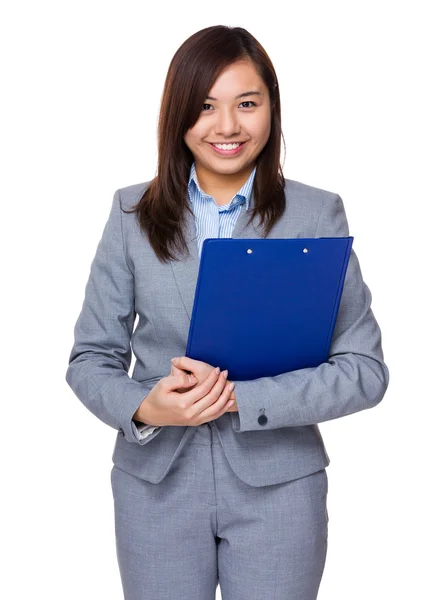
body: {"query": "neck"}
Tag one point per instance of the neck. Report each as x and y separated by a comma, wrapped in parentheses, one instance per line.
(221, 186)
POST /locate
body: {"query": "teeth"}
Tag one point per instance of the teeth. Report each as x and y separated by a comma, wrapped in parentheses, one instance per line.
(227, 146)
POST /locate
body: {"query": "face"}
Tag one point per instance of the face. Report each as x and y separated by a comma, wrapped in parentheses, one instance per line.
(235, 111)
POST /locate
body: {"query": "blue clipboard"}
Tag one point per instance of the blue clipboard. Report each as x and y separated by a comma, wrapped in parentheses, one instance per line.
(267, 306)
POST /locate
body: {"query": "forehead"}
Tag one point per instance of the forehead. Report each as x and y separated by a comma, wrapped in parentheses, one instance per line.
(236, 78)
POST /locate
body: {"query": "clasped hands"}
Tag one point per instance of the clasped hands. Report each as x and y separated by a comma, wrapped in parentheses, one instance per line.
(192, 394)
(200, 370)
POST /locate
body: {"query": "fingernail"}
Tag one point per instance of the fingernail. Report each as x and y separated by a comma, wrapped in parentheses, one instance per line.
(174, 359)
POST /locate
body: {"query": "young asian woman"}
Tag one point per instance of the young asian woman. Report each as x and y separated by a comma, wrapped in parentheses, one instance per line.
(207, 492)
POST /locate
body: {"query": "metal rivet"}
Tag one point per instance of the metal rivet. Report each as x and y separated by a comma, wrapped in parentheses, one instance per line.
(305, 250)
(249, 251)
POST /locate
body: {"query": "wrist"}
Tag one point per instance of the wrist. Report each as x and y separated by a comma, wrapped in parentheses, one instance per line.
(141, 415)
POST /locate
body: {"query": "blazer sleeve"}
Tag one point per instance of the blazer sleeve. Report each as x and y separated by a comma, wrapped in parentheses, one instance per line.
(354, 378)
(101, 354)
(144, 430)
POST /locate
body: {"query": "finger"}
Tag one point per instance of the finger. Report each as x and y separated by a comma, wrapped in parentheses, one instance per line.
(175, 370)
(188, 380)
(209, 398)
(219, 407)
(200, 390)
(181, 380)
(226, 408)
(203, 389)
(186, 363)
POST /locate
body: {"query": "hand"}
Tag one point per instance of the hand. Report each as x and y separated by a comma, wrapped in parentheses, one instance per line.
(169, 404)
(200, 370)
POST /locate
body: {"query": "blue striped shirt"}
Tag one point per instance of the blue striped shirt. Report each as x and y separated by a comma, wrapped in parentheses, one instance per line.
(212, 221)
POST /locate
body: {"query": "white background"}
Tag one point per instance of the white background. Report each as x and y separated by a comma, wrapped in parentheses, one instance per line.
(82, 83)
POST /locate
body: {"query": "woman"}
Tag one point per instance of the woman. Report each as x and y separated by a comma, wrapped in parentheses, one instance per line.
(207, 491)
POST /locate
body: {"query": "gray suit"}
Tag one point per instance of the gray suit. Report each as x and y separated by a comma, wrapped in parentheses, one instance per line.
(127, 278)
(217, 513)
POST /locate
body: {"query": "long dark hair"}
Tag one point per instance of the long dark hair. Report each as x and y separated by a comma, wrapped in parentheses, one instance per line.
(191, 74)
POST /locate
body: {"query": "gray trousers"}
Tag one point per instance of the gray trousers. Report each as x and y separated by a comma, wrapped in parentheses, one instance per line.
(202, 526)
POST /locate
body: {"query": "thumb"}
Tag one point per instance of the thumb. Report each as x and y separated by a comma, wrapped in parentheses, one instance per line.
(186, 380)
(176, 371)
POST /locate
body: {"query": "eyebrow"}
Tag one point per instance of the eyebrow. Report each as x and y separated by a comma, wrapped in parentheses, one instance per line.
(251, 93)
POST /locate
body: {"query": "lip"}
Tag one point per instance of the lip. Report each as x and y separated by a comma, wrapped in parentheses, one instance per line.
(228, 152)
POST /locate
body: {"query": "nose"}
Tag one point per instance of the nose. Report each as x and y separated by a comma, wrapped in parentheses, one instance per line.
(227, 123)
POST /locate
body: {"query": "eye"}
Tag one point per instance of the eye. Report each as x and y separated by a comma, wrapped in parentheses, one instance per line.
(245, 102)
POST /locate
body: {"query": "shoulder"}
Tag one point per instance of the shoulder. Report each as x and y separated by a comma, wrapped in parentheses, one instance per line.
(298, 191)
(309, 204)
(131, 194)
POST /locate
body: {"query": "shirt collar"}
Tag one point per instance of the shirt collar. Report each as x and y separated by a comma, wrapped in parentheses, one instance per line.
(243, 194)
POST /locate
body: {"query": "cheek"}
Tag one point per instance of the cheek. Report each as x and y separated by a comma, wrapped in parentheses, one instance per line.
(265, 130)
(195, 135)
(261, 134)
(260, 128)
(188, 139)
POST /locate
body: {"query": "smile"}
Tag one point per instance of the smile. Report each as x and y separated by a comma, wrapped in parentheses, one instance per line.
(228, 149)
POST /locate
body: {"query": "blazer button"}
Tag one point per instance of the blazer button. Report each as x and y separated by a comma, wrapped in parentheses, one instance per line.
(262, 419)
(121, 432)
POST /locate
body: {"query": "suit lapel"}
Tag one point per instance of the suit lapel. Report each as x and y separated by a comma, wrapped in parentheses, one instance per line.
(186, 269)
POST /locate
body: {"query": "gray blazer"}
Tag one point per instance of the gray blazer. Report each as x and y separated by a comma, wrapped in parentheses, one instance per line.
(127, 280)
